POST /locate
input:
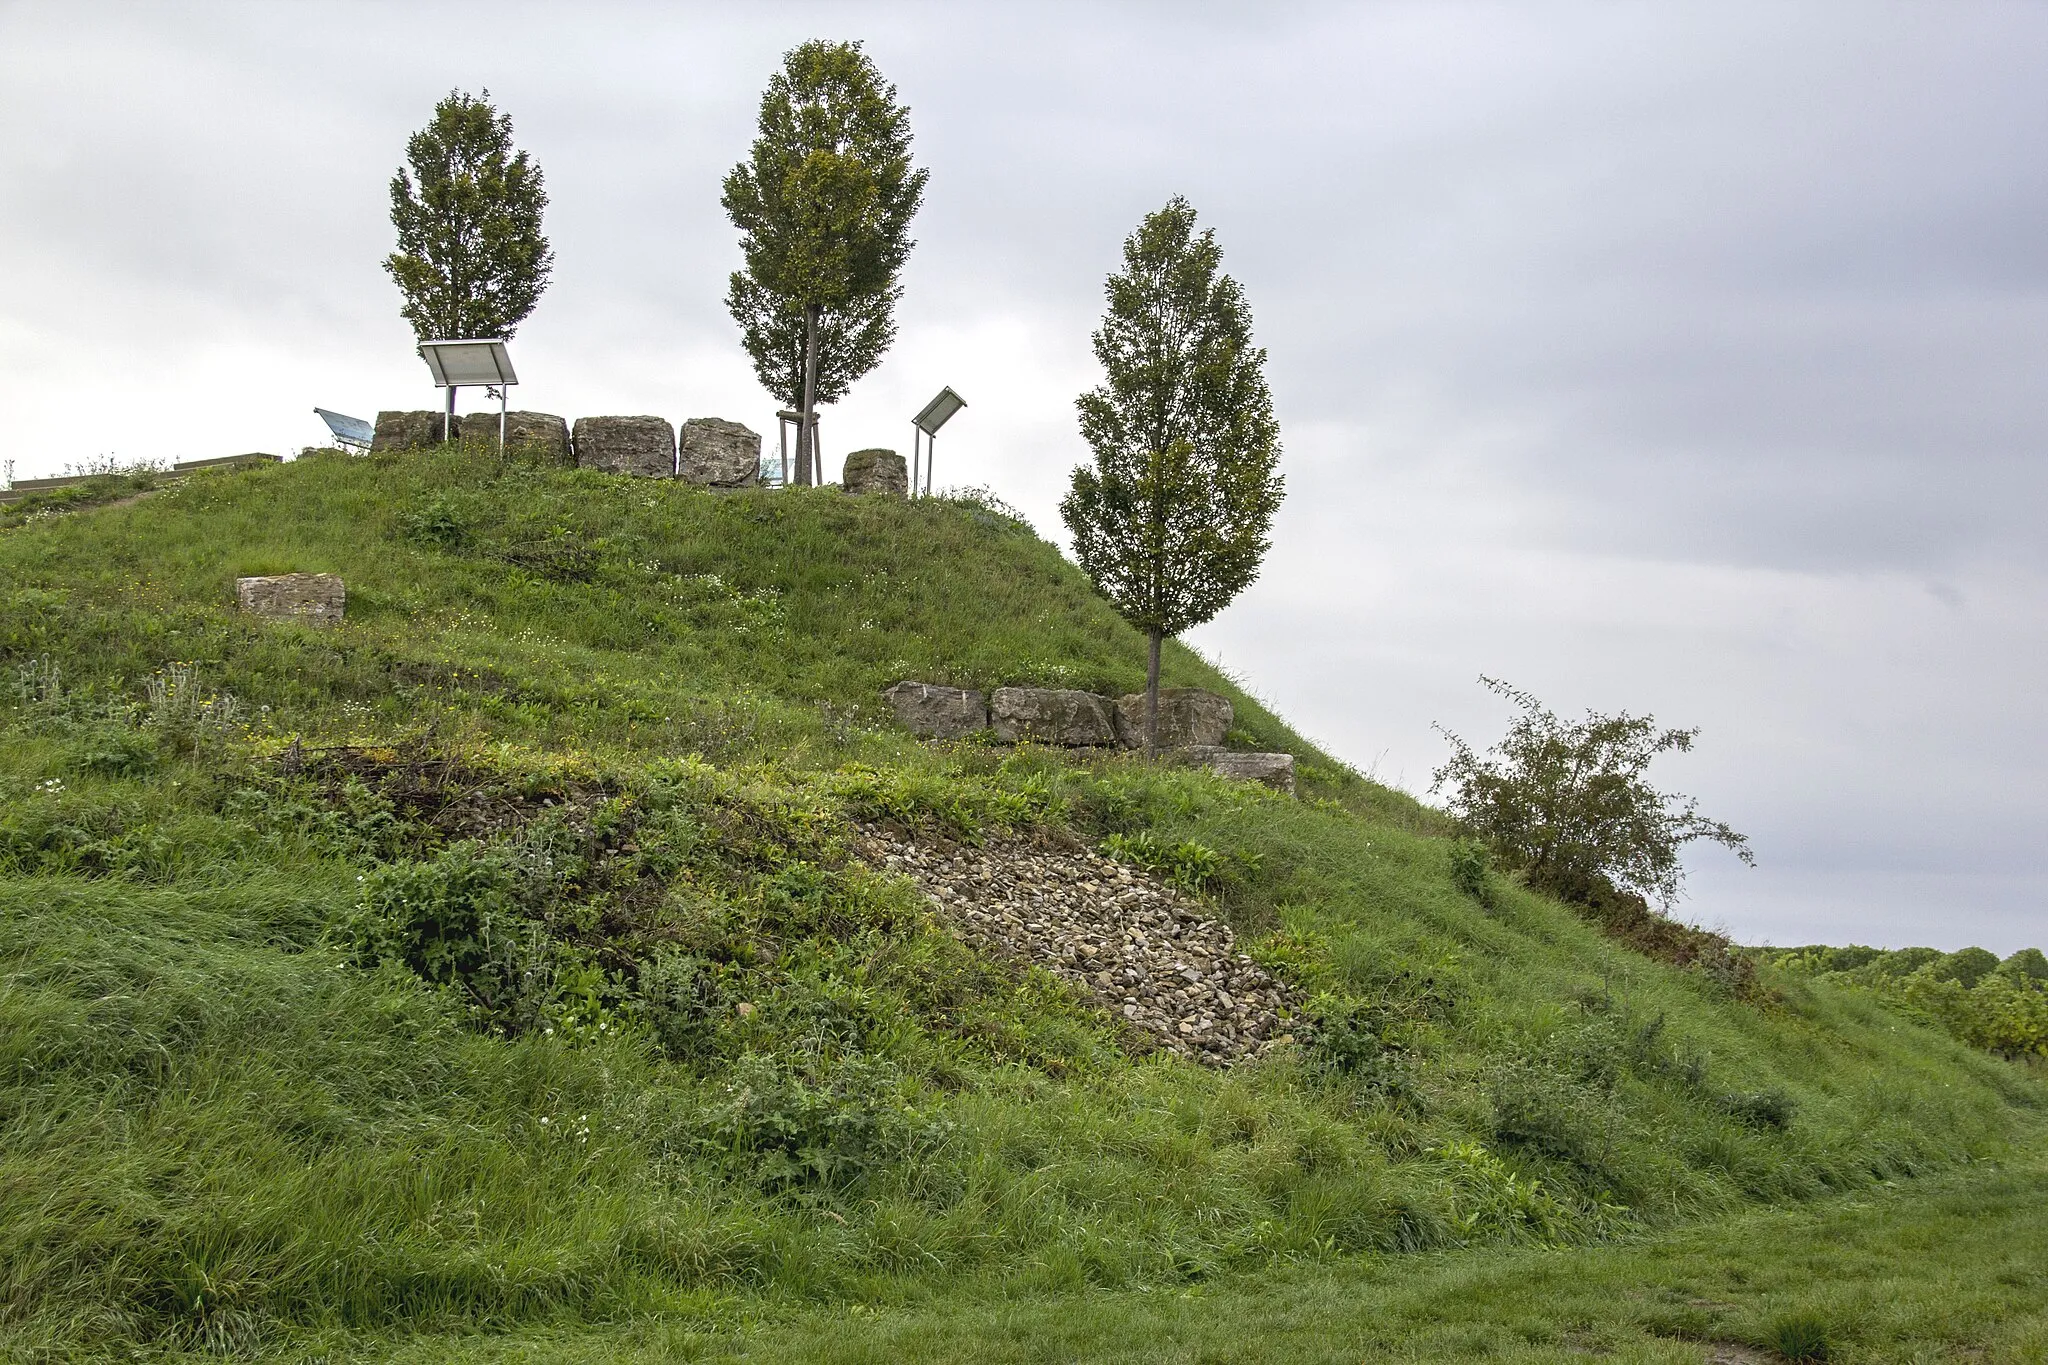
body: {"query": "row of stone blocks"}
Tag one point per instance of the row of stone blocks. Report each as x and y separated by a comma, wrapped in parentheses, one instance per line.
(1192, 723)
(711, 451)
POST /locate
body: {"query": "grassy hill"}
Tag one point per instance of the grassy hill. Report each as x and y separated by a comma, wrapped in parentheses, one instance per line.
(499, 961)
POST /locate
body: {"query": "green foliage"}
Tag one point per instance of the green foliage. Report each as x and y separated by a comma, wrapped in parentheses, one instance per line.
(1472, 871)
(1568, 802)
(1967, 966)
(456, 921)
(1192, 867)
(823, 204)
(186, 712)
(851, 338)
(1762, 1109)
(2027, 964)
(1173, 520)
(471, 258)
(439, 521)
(2001, 1007)
(1799, 1336)
(781, 1124)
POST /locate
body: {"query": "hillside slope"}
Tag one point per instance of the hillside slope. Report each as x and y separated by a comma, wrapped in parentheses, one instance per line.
(504, 956)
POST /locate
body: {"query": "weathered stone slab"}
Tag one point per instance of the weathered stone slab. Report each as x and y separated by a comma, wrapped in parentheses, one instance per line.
(539, 434)
(1274, 770)
(876, 471)
(627, 445)
(933, 712)
(412, 431)
(254, 457)
(719, 454)
(316, 599)
(1051, 715)
(1187, 716)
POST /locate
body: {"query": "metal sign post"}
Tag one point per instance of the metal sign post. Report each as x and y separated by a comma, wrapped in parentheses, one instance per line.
(479, 364)
(926, 426)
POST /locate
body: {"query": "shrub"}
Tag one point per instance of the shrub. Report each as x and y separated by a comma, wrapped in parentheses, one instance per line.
(1568, 802)
(1470, 869)
(438, 521)
(455, 922)
(781, 1123)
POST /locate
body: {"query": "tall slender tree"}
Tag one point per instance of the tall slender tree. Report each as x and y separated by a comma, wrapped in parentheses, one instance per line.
(471, 258)
(823, 204)
(850, 340)
(1175, 516)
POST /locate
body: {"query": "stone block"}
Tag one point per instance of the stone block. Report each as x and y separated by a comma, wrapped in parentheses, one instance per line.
(932, 712)
(1274, 770)
(540, 434)
(411, 431)
(1187, 716)
(253, 458)
(876, 471)
(627, 445)
(316, 599)
(1051, 715)
(716, 453)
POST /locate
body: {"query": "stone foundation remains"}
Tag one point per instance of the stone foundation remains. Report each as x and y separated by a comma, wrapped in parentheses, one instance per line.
(1050, 715)
(314, 599)
(716, 453)
(876, 471)
(541, 433)
(933, 712)
(1192, 724)
(1187, 716)
(627, 445)
(413, 431)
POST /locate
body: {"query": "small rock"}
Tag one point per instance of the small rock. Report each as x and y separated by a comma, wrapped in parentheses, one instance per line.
(316, 599)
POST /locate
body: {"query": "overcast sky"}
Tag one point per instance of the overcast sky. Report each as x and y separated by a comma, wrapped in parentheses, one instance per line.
(1682, 359)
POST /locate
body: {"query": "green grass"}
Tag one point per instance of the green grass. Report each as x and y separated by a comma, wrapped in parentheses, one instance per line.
(1951, 1269)
(556, 1000)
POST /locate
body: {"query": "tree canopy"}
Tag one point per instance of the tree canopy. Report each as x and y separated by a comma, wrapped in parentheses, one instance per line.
(1173, 519)
(471, 258)
(823, 204)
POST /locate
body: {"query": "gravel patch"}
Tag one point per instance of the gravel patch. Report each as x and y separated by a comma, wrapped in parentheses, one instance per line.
(1137, 948)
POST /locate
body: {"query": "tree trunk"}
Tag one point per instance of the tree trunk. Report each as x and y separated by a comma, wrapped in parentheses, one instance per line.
(806, 452)
(1152, 696)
